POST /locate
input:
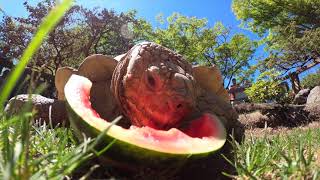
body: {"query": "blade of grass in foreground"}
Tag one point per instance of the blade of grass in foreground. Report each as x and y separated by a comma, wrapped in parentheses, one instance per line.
(45, 27)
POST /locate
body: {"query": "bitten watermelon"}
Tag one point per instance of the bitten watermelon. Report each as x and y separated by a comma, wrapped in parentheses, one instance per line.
(143, 145)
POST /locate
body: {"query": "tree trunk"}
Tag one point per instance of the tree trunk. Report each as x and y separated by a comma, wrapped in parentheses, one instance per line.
(295, 82)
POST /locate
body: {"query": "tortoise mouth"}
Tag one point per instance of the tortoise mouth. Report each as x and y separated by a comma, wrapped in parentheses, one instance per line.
(164, 116)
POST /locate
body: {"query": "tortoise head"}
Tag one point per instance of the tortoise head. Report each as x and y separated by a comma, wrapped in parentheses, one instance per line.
(154, 86)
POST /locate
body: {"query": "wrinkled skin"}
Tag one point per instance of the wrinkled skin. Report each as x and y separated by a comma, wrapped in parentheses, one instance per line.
(154, 86)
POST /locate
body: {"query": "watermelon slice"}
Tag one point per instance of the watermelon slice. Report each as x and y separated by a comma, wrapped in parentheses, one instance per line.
(202, 137)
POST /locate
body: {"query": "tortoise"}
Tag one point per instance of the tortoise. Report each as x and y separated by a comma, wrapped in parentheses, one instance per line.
(152, 85)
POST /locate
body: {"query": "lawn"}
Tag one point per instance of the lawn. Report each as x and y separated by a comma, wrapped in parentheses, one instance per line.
(286, 155)
(34, 150)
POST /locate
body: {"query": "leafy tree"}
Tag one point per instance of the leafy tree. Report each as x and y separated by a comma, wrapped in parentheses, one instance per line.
(58, 47)
(80, 33)
(264, 15)
(233, 56)
(107, 32)
(311, 80)
(202, 44)
(290, 29)
(12, 42)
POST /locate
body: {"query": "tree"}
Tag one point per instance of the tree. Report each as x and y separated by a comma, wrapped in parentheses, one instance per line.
(311, 80)
(81, 32)
(107, 32)
(12, 41)
(290, 29)
(233, 56)
(264, 15)
(56, 50)
(201, 44)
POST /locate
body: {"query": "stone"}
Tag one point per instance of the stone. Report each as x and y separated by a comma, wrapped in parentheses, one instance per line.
(47, 110)
(313, 103)
(301, 96)
(314, 96)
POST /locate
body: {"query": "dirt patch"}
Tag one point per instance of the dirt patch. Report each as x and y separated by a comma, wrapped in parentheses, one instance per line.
(260, 119)
(271, 131)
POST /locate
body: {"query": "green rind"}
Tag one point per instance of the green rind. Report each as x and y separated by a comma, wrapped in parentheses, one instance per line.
(125, 152)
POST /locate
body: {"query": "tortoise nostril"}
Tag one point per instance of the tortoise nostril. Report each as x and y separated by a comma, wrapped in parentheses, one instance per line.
(179, 106)
(151, 81)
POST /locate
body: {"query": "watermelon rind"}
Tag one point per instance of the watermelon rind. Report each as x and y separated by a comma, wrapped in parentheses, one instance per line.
(127, 146)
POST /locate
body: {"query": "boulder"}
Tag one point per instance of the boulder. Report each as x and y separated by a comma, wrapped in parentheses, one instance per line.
(301, 97)
(314, 96)
(313, 110)
(46, 109)
(313, 103)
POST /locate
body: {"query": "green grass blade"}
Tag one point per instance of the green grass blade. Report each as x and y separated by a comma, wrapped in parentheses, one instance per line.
(44, 29)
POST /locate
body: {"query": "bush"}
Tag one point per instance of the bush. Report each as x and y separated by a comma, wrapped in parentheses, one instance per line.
(311, 81)
(267, 88)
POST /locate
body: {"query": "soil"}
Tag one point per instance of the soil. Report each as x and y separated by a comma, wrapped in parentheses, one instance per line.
(257, 126)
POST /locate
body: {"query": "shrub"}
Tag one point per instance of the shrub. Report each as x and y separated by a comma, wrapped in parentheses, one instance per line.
(311, 80)
(267, 88)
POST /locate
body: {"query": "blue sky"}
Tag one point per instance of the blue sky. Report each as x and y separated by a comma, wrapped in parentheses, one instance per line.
(213, 10)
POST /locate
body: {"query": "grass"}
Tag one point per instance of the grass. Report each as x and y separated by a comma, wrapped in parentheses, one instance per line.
(37, 152)
(293, 155)
(30, 150)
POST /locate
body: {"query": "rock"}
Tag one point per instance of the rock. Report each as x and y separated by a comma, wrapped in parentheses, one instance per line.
(45, 108)
(301, 97)
(313, 104)
(313, 110)
(314, 96)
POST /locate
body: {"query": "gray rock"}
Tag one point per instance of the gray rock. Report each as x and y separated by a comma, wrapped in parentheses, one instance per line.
(313, 110)
(301, 97)
(46, 109)
(313, 103)
(314, 96)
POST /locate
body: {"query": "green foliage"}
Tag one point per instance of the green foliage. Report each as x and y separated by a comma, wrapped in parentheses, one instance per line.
(290, 50)
(290, 29)
(199, 43)
(80, 33)
(264, 15)
(311, 80)
(266, 88)
(283, 156)
(189, 36)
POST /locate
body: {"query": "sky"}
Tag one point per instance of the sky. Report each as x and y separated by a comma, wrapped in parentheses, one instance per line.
(213, 10)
